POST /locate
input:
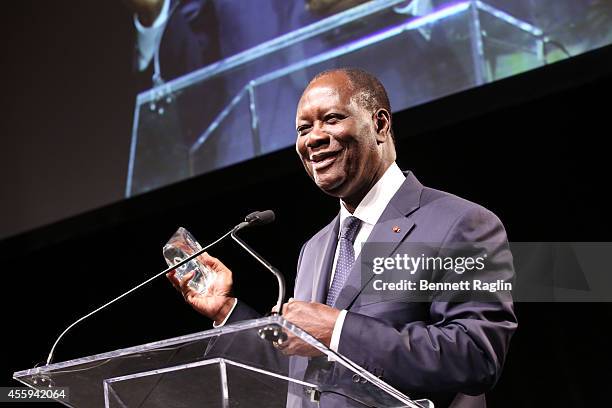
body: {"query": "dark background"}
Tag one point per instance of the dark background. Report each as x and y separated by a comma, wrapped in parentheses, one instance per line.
(67, 102)
(532, 148)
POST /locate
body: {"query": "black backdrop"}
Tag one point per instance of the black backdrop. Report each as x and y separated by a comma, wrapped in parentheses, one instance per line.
(531, 148)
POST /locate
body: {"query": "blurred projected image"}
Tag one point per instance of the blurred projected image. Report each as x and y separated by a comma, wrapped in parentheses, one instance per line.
(224, 76)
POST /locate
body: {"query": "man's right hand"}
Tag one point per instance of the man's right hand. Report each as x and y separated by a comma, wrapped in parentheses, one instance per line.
(146, 10)
(216, 302)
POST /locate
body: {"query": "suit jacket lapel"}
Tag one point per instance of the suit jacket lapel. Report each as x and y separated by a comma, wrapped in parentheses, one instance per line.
(403, 203)
(324, 261)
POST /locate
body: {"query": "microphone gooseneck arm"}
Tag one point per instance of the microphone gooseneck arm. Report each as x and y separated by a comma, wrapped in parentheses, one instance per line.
(165, 271)
(266, 264)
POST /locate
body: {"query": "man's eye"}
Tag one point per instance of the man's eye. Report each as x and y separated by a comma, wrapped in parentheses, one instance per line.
(333, 118)
(302, 129)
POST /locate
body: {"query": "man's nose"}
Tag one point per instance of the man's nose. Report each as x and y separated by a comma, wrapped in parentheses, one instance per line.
(317, 137)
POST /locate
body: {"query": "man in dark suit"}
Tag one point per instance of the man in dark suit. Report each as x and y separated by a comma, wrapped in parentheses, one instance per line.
(448, 349)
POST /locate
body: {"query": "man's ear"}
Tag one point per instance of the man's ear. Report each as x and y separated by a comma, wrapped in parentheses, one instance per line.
(382, 124)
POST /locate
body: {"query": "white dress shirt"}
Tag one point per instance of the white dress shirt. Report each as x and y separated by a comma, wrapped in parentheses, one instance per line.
(149, 38)
(215, 325)
(368, 212)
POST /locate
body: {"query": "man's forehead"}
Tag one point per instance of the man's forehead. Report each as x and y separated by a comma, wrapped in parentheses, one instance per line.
(324, 90)
(334, 81)
(318, 93)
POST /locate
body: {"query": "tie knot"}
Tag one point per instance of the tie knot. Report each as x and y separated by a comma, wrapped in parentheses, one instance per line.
(349, 228)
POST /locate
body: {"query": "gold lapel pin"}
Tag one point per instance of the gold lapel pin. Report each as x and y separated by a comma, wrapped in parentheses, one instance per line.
(396, 228)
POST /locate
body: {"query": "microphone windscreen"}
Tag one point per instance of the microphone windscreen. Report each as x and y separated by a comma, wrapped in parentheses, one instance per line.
(260, 217)
(252, 216)
(266, 217)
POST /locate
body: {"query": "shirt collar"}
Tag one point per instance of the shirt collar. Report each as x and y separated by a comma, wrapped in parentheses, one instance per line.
(376, 200)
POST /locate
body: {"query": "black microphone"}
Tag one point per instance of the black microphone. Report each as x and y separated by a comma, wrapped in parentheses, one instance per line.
(255, 219)
(260, 217)
(271, 332)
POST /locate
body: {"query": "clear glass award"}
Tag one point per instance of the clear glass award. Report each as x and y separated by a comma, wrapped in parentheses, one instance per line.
(181, 245)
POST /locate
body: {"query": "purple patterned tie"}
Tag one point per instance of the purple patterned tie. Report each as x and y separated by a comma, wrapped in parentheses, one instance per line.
(346, 257)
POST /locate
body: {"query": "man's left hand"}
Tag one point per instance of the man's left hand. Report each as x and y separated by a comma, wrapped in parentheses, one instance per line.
(315, 318)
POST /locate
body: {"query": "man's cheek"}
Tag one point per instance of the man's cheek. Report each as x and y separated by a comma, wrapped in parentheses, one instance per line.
(308, 168)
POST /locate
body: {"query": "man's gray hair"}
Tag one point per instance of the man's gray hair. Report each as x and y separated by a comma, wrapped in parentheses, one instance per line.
(368, 90)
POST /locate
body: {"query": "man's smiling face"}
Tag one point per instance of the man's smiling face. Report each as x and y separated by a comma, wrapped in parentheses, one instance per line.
(337, 138)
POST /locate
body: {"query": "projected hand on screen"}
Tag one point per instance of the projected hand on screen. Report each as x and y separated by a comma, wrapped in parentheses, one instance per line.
(147, 10)
(216, 302)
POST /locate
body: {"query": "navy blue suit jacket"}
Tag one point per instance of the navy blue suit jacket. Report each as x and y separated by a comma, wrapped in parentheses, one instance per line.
(448, 351)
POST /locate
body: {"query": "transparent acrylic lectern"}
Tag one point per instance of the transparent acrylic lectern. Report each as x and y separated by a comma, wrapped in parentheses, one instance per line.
(231, 366)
